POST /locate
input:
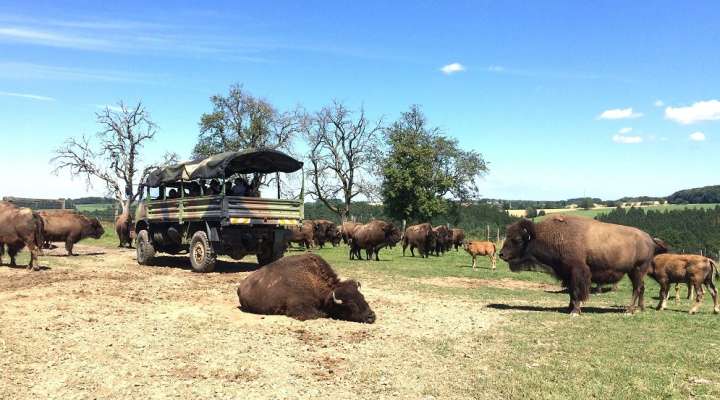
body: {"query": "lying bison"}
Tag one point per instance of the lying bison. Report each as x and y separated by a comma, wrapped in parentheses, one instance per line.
(579, 251)
(372, 237)
(20, 227)
(692, 269)
(70, 228)
(481, 248)
(458, 237)
(421, 237)
(303, 287)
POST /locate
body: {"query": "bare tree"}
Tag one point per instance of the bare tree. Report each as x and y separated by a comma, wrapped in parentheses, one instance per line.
(341, 153)
(114, 158)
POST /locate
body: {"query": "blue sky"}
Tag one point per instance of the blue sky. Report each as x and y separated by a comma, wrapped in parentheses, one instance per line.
(563, 98)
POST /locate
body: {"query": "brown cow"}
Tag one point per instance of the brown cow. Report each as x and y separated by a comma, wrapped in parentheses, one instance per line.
(325, 231)
(304, 234)
(124, 228)
(419, 236)
(685, 268)
(70, 228)
(303, 287)
(20, 227)
(372, 237)
(458, 237)
(481, 248)
(346, 230)
(443, 239)
(579, 251)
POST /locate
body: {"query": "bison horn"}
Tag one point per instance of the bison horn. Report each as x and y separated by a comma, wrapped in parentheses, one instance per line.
(358, 284)
(335, 298)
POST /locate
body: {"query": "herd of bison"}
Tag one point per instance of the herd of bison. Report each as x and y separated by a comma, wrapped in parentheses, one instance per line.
(578, 251)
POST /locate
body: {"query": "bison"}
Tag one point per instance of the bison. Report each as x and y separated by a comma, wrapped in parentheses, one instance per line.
(692, 269)
(304, 234)
(20, 227)
(346, 230)
(419, 236)
(443, 239)
(481, 248)
(70, 228)
(372, 237)
(458, 237)
(325, 231)
(303, 287)
(579, 251)
(124, 229)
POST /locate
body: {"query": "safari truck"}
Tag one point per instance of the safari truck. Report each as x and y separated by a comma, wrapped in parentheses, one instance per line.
(183, 213)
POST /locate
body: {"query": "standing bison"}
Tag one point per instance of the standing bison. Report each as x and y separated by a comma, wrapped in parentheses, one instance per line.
(346, 230)
(303, 287)
(443, 239)
(458, 237)
(692, 269)
(372, 237)
(124, 229)
(20, 227)
(421, 237)
(70, 228)
(304, 234)
(579, 251)
(325, 231)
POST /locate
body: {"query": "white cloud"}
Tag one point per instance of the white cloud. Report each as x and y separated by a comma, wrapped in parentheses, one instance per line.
(700, 111)
(658, 103)
(452, 68)
(619, 138)
(27, 96)
(619, 113)
(625, 130)
(697, 137)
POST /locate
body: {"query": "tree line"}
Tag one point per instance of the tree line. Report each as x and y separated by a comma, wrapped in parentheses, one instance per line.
(689, 230)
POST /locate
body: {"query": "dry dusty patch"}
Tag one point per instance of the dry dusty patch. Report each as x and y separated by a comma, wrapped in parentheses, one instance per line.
(100, 326)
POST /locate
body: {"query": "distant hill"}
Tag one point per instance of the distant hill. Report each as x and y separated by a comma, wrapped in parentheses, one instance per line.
(702, 195)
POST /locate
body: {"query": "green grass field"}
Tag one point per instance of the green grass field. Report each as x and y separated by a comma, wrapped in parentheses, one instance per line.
(665, 207)
(539, 351)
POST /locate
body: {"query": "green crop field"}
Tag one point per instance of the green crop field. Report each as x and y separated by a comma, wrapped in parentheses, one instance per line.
(539, 351)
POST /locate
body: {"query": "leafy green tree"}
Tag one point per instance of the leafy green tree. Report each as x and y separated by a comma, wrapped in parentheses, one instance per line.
(424, 171)
(586, 203)
(531, 212)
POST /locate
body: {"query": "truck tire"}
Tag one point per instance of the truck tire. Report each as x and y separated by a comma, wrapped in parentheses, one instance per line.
(202, 255)
(144, 248)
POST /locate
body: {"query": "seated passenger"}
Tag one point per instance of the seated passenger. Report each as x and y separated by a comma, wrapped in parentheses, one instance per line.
(215, 188)
(173, 194)
(240, 187)
(194, 189)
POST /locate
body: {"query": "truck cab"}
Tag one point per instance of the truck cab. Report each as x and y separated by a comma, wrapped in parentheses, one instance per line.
(205, 208)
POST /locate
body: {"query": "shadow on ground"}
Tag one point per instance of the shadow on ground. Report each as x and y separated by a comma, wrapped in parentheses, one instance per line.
(562, 310)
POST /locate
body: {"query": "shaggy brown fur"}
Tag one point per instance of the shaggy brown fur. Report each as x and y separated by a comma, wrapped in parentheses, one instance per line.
(458, 237)
(70, 228)
(325, 231)
(692, 269)
(481, 248)
(346, 230)
(304, 235)
(124, 228)
(303, 287)
(419, 236)
(579, 251)
(443, 240)
(372, 237)
(20, 227)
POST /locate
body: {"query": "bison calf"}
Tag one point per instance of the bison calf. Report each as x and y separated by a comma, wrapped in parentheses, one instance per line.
(303, 287)
(481, 248)
(685, 268)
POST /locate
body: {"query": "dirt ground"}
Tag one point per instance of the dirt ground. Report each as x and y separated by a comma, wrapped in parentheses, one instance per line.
(100, 326)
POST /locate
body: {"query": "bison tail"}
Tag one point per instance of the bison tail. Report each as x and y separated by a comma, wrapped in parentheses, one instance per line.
(713, 266)
(660, 246)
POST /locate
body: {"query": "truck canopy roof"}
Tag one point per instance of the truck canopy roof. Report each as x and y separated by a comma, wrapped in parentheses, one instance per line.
(225, 165)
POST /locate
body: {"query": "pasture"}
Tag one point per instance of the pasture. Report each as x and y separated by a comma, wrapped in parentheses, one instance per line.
(98, 325)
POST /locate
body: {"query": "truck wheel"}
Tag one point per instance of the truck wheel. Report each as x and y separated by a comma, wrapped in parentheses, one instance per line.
(144, 248)
(202, 255)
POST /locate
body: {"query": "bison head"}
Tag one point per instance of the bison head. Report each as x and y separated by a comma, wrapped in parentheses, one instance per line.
(96, 229)
(515, 249)
(392, 235)
(347, 303)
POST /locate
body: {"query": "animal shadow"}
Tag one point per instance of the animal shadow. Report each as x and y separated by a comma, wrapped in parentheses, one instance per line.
(221, 266)
(42, 267)
(561, 310)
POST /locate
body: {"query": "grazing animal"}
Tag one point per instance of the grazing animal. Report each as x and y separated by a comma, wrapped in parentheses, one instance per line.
(303, 287)
(458, 237)
(304, 234)
(124, 229)
(419, 236)
(692, 269)
(372, 237)
(325, 231)
(70, 228)
(443, 239)
(579, 251)
(20, 227)
(346, 230)
(481, 248)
